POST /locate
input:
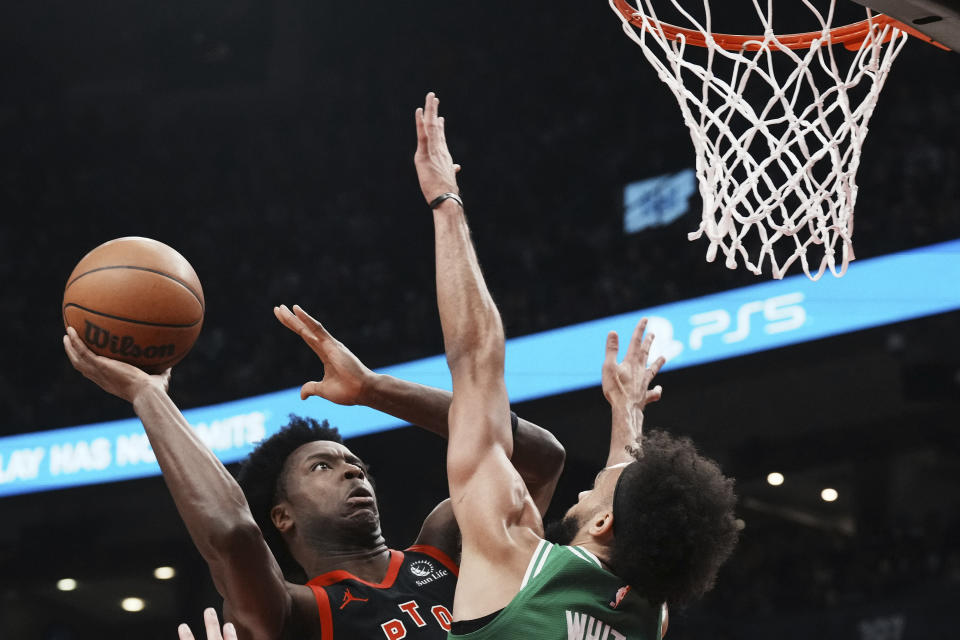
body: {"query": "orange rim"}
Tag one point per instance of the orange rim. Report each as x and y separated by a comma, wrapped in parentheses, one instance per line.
(851, 36)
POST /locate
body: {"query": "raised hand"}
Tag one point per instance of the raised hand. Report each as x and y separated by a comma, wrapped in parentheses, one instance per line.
(212, 626)
(627, 388)
(435, 167)
(345, 378)
(627, 384)
(118, 378)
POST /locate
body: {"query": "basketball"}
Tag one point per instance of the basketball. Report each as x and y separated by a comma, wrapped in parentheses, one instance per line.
(135, 300)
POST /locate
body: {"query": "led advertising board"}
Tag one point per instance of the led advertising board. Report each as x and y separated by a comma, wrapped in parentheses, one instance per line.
(763, 316)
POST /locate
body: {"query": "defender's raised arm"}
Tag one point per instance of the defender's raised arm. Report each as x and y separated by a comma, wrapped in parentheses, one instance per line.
(499, 521)
(626, 386)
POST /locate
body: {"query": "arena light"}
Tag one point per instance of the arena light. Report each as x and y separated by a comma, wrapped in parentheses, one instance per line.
(829, 495)
(132, 604)
(66, 584)
(164, 573)
(775, 479)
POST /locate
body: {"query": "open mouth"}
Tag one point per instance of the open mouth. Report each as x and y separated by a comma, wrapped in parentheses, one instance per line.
(360, 497)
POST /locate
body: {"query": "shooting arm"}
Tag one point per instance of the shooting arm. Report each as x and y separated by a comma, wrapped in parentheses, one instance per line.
(216, 514)
(206, 495)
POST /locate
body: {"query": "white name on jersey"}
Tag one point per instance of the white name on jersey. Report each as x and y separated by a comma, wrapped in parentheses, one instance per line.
(580, 626)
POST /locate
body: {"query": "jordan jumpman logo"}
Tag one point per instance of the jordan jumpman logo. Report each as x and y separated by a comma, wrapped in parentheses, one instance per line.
(349, 597)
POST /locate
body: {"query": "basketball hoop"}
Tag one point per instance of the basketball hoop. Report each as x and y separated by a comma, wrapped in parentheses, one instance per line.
(781, 168)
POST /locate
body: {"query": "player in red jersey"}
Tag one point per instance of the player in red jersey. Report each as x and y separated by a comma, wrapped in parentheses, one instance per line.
(320, 505)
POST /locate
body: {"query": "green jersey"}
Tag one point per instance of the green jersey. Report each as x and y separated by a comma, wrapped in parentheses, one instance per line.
(566, 594)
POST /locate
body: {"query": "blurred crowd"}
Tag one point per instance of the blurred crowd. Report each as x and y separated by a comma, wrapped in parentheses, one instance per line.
(266, 215)
(787, 568)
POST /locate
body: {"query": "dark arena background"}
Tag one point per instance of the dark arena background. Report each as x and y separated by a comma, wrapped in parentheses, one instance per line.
(271, 143)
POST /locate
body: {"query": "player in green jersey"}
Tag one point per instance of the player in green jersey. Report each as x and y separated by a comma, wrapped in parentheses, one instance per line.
(654, 528)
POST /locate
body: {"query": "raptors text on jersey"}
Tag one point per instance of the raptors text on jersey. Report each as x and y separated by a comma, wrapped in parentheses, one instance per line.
(413, 601)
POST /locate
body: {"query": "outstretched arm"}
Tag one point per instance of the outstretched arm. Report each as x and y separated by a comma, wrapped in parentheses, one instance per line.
(626, 387)
(537, 454)
(498, 520)
(209, 500)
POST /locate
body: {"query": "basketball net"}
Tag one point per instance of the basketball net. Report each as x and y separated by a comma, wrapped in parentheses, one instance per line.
(777, 174)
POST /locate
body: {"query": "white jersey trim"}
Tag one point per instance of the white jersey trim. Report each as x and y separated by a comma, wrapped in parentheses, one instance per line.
(533, 561)
(586, 556)
(543, 559)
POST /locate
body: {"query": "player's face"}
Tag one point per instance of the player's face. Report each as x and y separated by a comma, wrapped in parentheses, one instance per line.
(328, 487)
(589, 503)
(599, 496)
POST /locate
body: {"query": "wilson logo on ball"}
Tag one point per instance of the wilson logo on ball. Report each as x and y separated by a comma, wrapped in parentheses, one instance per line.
(125, 345)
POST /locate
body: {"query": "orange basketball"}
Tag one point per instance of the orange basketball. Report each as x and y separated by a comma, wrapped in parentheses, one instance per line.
(135, 300)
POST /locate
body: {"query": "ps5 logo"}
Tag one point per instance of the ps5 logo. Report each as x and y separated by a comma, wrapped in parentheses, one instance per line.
(779, 314)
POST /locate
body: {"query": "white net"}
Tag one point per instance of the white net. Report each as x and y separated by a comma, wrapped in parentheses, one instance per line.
(777, 131)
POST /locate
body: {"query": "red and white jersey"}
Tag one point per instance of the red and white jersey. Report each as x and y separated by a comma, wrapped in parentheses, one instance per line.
(414, 600)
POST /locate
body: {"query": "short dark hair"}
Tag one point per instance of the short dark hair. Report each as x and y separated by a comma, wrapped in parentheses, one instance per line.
(673, 519)
(262, 481)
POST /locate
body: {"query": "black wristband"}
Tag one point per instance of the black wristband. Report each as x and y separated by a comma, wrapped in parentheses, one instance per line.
(436, 202)
(514, 423)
